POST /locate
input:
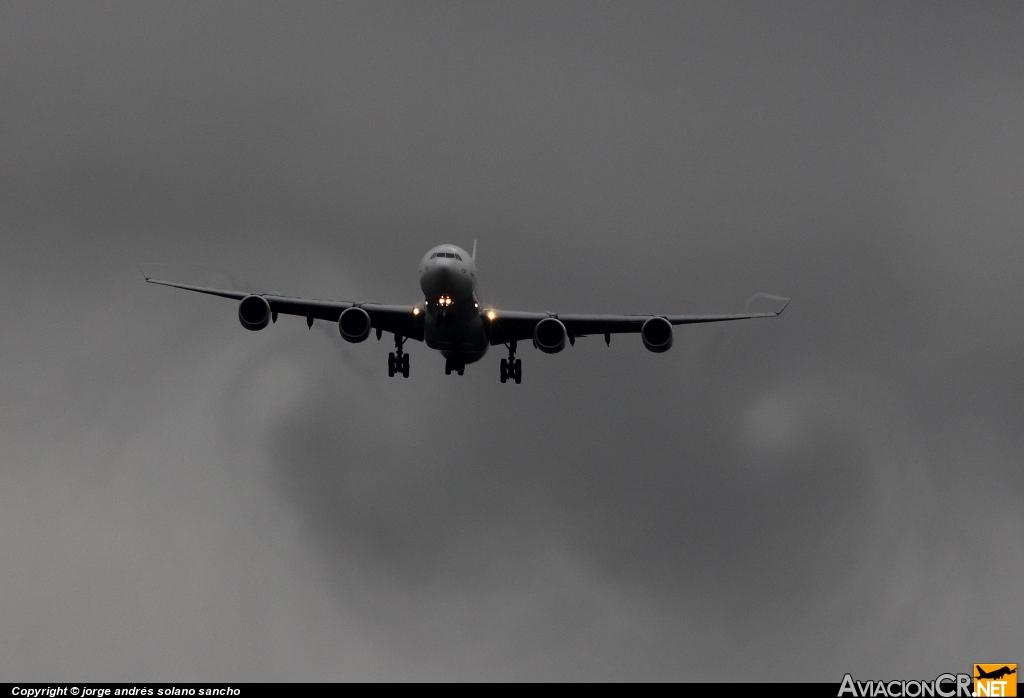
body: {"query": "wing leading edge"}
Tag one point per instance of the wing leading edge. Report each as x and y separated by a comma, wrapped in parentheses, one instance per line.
(518, 326)
(399, 319)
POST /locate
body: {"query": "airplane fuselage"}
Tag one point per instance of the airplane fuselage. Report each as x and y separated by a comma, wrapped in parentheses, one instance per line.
(452, 321)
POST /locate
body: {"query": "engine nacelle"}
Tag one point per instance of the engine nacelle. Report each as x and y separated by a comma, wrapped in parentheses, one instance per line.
(354, 324)
(657, 334)
(549, 335)
(254, 313)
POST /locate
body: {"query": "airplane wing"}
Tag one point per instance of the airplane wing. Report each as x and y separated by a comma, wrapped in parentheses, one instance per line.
(508, 326)
(399, 319)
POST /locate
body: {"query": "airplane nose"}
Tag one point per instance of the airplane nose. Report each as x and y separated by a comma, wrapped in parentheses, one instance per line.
(446, 279)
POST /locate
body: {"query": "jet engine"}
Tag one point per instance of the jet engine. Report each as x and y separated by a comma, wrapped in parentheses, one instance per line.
(254, 312)
(657, 334)
(549, 335)
(354, 324)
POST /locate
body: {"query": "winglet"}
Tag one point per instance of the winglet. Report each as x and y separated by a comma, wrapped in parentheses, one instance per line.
(144, 274)
(474, 251)
(770, 297)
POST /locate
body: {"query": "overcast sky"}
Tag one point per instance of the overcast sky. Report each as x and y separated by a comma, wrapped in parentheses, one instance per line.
(835, 490)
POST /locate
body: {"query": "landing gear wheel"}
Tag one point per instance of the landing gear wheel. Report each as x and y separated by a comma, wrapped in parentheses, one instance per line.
(448, 367)
(398, 360)
(462, 367)
(511, 367)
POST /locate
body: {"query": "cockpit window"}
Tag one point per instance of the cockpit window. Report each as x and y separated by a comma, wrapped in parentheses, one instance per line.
(433, 255)
(455, 254)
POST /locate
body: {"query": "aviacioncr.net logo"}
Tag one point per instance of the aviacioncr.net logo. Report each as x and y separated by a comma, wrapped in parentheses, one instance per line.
(995, 680)
(944, 686)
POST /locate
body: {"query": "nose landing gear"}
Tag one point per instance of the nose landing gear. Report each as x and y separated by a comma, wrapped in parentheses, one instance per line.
(398, 361)
(453, 365)
(511, 367)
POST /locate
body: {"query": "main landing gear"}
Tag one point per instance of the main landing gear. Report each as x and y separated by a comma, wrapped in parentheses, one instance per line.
(511, 367)
(398, 361)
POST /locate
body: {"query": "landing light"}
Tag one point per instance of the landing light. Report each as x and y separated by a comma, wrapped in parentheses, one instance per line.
(491, 315)
(415, 311)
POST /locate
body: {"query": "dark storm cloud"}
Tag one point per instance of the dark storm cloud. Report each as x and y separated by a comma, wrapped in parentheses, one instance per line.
(836, 490)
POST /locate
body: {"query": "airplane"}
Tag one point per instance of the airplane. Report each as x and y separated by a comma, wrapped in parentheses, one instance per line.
(995, 674)
(451, 320)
